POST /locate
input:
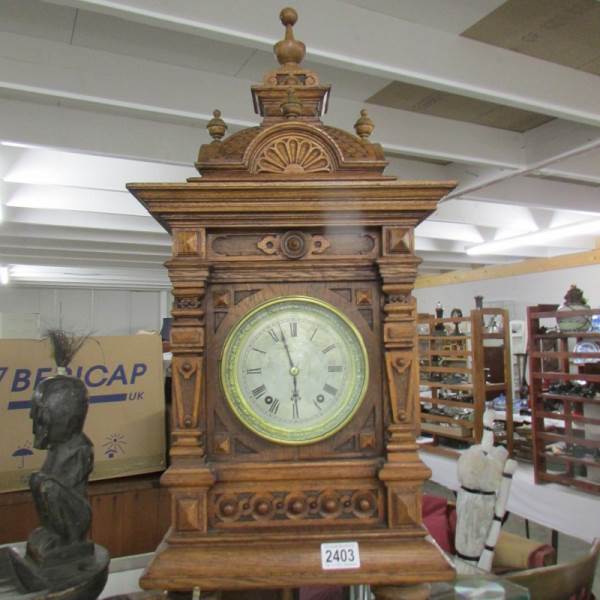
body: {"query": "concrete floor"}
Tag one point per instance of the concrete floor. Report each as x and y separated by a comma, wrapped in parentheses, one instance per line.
(569, 547)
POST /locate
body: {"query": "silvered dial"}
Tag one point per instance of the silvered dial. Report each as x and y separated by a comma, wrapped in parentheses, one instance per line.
(294, 370)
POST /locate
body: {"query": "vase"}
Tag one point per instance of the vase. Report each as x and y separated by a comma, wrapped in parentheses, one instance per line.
(575, 322)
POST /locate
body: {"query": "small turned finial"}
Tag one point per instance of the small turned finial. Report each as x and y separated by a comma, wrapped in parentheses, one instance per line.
(289, 51)
(288, 16)
(292, 107)
(216, 126)
(364, 126)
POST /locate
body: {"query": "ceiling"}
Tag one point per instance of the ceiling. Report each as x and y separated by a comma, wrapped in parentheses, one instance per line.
(501, 96)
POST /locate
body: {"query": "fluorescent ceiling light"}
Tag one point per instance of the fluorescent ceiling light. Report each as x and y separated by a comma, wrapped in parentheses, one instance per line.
(89, 171)
(73, 198)
(4, 275)
(10, 144)
(539, 238)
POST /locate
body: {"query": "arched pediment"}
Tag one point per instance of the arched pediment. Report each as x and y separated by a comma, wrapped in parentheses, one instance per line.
(290, 148)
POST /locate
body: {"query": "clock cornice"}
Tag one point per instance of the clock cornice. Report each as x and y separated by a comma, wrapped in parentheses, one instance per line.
(306, 203)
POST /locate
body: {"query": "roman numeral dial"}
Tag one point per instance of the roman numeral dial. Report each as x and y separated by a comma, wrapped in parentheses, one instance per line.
(294, 370)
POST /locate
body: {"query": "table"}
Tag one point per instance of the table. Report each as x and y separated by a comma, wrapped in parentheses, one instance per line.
(488, 587)
(557, 507)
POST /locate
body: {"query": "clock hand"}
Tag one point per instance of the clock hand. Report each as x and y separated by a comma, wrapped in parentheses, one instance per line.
(295, 395)
(293, 372)
(286, 347)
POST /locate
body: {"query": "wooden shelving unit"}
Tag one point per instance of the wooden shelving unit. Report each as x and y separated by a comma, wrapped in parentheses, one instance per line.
(453, 370)
(564, 401)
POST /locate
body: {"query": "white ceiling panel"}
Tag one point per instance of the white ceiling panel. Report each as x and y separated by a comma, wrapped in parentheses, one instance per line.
(453, 17)
(37, 19)
(104, 32)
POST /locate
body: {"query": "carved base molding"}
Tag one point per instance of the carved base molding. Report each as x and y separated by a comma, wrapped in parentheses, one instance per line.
(230, 562)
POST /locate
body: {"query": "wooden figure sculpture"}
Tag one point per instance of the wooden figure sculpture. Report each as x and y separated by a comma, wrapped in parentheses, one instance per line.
(60, 561)
(484, 473)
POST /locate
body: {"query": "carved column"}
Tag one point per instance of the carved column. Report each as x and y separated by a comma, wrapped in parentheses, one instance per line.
(188, 273)
(188, 477)
(398, 270)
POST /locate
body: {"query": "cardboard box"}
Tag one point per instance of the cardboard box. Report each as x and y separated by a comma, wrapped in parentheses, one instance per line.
(126, 416)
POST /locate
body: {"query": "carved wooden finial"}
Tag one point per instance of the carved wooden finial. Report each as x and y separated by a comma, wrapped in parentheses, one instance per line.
(216, 126)
(289, 51)
(292, 107)
(364, 126)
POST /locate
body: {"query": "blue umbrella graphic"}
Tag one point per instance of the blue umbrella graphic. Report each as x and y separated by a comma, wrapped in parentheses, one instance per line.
(22, 452)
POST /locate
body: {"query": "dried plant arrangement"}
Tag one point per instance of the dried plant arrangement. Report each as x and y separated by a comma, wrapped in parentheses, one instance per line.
(64, 346)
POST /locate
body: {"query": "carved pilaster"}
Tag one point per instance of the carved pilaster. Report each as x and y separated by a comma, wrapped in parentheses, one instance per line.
(398, 271)
(400, 334)
(189, 477)
(188, 272)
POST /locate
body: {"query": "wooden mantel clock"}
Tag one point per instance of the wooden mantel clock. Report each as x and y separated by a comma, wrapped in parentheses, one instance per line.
(294, 371)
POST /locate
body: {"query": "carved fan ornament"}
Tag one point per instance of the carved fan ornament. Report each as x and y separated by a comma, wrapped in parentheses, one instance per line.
(293, 154)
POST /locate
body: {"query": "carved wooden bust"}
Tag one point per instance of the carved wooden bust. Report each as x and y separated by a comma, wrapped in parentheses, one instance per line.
(294, 373)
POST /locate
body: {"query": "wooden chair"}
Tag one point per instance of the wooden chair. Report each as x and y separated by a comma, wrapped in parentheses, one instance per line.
(566, 581)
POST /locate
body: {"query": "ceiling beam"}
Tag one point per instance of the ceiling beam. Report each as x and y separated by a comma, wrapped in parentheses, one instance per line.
(557, 141)
(78, 235)
(554, 143)
(449, 231)
(54, 70)
(536, 265)
(96, 80)
(444, 258)
(368, 42)
(584, 167)
(540, 193)
(73, 198)
(40, 245)
(485, 214)
(78, 257)
(46, 167)
(39, 216)
(80, 130)
(24, 274)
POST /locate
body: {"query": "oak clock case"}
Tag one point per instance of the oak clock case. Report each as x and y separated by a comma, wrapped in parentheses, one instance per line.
(294, 244)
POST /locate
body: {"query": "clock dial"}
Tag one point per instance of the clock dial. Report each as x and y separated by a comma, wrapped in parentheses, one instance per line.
(294, 370)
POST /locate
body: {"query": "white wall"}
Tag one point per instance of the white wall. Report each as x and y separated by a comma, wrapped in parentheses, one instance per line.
(513, 293)
(85, 310)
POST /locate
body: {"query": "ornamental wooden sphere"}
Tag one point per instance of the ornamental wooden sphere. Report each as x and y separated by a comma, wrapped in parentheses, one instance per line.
(289, 51)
